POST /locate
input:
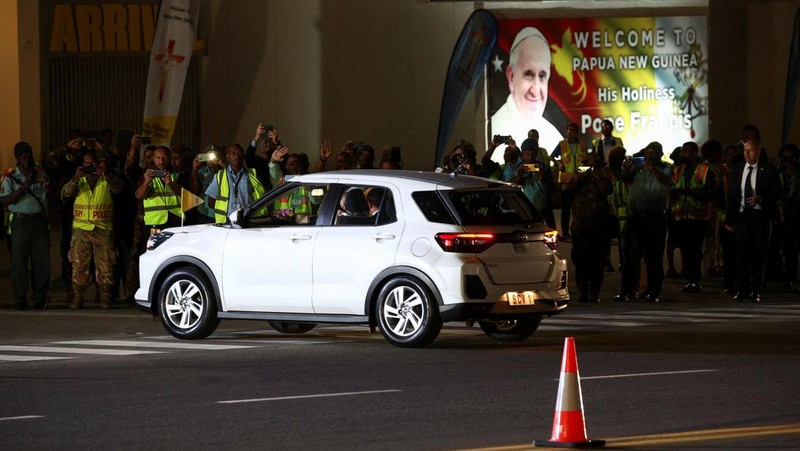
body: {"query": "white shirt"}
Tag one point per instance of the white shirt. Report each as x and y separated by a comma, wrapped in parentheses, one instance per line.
(743, 203)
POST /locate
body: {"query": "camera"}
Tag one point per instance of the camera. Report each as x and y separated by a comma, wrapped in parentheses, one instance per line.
(502, 139)
(145, 139)
(269, 127)
(89, 170)
(159, 173)
(357, 146)
(458, 159)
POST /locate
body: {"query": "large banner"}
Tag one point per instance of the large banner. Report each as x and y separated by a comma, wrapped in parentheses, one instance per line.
(169, 61)
(473, 49)
(646, 75)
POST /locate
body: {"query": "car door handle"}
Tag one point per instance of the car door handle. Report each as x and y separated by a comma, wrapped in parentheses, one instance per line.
(299, 237)
(383, 236)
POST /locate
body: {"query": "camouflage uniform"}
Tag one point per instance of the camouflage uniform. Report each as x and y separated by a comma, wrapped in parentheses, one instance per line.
(92, 235)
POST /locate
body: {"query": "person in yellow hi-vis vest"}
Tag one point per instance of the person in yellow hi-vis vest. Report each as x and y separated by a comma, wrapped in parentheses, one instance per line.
(92, 227)
(690, 202)
(161, 195)
(235, 186)
(571, 153)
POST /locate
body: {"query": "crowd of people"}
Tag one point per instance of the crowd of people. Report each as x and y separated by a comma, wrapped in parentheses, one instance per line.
(111, 201)
(731, 211)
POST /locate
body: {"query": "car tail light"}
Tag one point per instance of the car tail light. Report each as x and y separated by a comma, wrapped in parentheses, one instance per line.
(551, 239)
(465, 242)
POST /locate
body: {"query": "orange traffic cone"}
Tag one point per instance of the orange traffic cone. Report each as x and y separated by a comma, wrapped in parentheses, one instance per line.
(569, 426)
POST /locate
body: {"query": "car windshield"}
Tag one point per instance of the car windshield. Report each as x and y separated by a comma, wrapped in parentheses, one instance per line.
(493, 207)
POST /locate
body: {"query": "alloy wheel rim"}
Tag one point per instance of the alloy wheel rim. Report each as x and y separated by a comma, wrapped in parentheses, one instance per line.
(403, 311)
(184, 304)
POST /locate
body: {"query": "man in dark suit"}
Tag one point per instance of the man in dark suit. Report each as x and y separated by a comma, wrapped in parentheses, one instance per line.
(752, 207)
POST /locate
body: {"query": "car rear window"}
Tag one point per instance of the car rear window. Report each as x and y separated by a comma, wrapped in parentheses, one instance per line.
(432, 207)
(492, 207)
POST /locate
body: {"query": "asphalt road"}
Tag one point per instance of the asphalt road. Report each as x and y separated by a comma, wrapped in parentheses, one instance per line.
(646, 371)
(692, 372)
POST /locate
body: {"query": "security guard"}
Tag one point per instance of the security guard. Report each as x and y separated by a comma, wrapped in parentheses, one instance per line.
(160, 193)
(691, 199)
(92, 227)
(234, 187)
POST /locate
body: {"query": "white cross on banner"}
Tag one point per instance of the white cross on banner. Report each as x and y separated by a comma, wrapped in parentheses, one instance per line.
(176, 30)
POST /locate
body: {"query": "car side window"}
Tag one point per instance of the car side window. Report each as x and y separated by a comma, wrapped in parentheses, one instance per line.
(365, 205)
(297, 206)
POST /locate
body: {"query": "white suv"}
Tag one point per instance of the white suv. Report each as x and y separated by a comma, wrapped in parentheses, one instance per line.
(399, 250)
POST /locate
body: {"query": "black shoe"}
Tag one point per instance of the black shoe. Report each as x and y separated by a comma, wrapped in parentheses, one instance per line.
(741, 297)
(41, 306)
(728, 290)
(692, 288)
(755, 297)
(621, 298)
(649, 297)
(595, 300)
(20, 306)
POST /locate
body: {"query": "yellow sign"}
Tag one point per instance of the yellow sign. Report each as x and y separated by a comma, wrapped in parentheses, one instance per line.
(112, 27)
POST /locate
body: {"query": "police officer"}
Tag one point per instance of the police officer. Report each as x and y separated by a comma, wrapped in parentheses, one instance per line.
(24, 195)
(92, 227)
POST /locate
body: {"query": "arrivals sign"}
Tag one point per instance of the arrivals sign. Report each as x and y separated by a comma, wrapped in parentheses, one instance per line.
(646, 75)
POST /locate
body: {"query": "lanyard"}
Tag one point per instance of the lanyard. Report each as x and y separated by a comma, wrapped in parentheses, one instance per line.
(236, 180)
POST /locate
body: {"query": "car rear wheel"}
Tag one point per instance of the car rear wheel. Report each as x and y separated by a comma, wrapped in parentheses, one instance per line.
(510, 330)
(291, 328)
(186, 305)
(407, 313)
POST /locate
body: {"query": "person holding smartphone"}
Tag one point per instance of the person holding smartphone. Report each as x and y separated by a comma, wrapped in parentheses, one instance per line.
(160, 194)
(534, 178)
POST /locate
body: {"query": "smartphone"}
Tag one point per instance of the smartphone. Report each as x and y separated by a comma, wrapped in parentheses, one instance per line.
(145, 139)
(583, 168)
(208, 156)
(532, 167)
(159, 173)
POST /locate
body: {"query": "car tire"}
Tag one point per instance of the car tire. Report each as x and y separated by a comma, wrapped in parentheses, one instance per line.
(510, 330)
(406, 313)
(291, 328)
(186, 304)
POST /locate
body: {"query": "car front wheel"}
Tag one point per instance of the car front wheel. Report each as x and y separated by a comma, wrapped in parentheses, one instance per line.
(186, 305)
(407, 313)
(510, 330)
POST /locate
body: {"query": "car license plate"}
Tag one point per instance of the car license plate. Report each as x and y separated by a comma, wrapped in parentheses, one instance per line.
(523, 298)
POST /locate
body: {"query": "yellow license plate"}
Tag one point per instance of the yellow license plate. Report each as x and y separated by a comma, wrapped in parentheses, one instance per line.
(523, 298)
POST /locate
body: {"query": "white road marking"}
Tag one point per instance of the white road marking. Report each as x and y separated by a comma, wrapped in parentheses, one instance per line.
(321, 395)
(151, 344)
(663, 373)
(28, 358)
(21, 417)
(64, 350)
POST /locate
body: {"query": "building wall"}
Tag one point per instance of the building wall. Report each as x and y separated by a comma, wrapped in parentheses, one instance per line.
(373, 70)
(9, 82)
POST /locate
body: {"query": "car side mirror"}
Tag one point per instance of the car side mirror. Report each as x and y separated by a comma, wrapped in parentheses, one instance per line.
(235, 218)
